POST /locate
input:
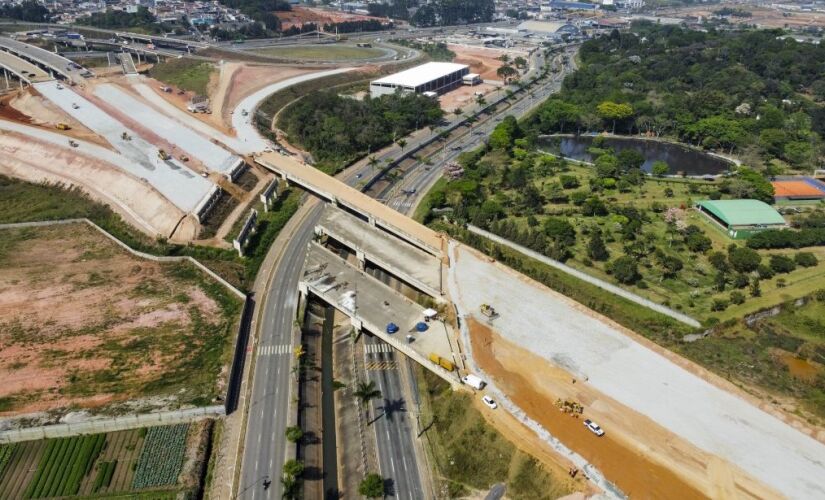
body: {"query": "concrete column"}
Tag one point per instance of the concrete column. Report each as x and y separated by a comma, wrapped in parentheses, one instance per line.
(371, 220)
(362, 259)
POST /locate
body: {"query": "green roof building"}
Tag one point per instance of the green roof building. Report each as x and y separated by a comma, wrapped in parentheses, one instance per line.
(741, 218)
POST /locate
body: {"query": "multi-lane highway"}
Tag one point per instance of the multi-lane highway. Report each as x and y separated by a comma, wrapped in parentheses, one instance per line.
(264, 448)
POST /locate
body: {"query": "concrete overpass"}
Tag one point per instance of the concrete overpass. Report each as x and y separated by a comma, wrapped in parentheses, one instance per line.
(22, 69)
(372, 305)
(160, 40)
(350, 199)
(55, 64)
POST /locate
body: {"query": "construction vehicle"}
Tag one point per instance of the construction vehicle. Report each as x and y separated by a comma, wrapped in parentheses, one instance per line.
(473, 381)
(163, 155)
(488, 310)
(125, 136)
(165, 88)
(73, 144)
(62, 126)
(183, 158)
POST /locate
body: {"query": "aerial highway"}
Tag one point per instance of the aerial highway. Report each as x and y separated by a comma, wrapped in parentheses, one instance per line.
(265, 444)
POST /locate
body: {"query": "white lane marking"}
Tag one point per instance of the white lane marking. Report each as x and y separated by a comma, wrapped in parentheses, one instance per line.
(269, 350)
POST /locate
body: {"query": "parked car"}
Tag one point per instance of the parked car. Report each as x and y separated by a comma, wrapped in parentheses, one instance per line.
(489, 402)
(594, 427)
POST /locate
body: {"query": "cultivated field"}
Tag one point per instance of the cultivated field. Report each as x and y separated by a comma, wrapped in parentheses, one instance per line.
(164, 460)
(132, 329)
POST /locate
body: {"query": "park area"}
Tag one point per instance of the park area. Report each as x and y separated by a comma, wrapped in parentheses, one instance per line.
(164, 460)
(326, 52)
(155, 335)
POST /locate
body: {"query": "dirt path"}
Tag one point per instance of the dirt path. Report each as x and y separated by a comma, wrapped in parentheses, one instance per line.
(633, 452)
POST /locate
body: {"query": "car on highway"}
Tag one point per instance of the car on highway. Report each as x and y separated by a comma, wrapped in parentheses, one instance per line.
(594, 427)
(490, 402)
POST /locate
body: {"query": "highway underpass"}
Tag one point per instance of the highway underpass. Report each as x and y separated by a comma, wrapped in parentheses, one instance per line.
(356, 202)
(372, 305)
(415, 267)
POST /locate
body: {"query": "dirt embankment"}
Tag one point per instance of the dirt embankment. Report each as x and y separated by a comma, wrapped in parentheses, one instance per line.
(641, 457)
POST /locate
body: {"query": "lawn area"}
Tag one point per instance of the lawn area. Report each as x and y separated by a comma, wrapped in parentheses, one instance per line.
(322, 52)
(165, 460)
(470, 455)
(133, 328)
(187, 74)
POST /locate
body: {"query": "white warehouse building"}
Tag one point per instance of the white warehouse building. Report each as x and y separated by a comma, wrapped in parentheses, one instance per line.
(430, 77)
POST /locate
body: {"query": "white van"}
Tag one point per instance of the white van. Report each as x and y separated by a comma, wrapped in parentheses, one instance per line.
(473, 381)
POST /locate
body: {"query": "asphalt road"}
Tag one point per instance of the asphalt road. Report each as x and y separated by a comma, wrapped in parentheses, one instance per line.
(264, 446)
(265, 442)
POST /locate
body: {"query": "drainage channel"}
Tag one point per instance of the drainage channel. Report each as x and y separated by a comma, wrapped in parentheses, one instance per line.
(330, 455)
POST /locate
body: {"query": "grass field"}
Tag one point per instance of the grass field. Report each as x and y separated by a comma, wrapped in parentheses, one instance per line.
(120, 464)
(470, 455)
(187, 74)
(132, 329)
(322, 52)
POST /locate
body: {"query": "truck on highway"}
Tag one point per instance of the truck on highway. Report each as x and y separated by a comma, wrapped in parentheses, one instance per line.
(473, 381)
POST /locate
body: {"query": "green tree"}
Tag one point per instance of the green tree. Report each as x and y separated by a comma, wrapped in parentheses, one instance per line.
(607, 165)
(506, 73)
(659, 168)
(294, 433)
(520, 62)
(293, 467)
(625, 270)
(744, 260)
(505, 133)
(613, 111)
(372, 486)
(596, 248)
(366, 391)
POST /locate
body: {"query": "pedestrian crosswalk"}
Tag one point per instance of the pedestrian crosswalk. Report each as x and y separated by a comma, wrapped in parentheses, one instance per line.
(376, 348)
(381, 365)
(267, 350)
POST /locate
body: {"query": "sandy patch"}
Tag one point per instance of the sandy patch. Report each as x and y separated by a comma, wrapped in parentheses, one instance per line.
(463, 97)
(482, 60)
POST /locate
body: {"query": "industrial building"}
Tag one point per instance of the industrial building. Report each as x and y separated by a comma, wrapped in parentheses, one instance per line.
(742, 218)
(435, 77)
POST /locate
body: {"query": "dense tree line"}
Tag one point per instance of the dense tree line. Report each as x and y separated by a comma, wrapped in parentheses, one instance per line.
(449, 12)
(261, 10)
(438, 51)
(30, 10)
(112, 19)
(788, 238)
(337, 129)
(744, 92)
(356, 26)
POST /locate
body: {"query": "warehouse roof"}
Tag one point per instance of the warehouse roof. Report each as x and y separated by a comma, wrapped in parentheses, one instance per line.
(743, 212)
(420, 75)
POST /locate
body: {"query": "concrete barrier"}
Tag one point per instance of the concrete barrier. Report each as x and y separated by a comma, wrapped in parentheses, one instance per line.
(110, 424)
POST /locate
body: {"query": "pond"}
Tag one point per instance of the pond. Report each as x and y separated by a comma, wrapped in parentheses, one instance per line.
(681, 159)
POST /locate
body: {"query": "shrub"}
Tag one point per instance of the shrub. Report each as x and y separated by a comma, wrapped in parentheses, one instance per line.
(372, 486)
(293, 468)
(569, 181)
(294, 433)
(719, 305)
(625, 270)
(744, 260)
(737, 297)
(806, 259)
(782, 264)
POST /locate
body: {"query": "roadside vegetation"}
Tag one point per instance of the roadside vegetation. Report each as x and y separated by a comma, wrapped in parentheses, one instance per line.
(25, 202)
(138, 463)
(437, 51)
(470, 456)
(187, 74)
(322, 123)
(744, 92)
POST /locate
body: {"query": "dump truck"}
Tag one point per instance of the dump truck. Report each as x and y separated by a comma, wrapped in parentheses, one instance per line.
(473, 381)
(163, 155)
(488, 310)
(62, 126)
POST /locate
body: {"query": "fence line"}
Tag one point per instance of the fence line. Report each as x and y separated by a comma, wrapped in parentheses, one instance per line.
(110, 424)
(621, 292)
(137, 253)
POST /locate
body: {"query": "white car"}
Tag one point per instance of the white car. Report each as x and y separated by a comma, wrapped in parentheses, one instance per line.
(594, 427)
(489, 402)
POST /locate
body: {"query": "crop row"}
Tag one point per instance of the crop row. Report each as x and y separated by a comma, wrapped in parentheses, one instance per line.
(105, 471)
(5, 455)
(63, 465)
(161, 457)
